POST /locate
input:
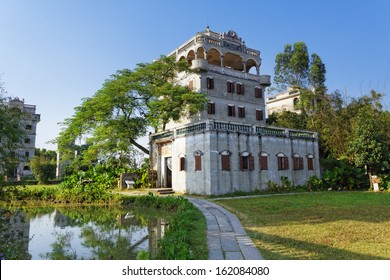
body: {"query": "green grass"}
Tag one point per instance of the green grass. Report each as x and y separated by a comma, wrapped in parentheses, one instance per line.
(333, 225)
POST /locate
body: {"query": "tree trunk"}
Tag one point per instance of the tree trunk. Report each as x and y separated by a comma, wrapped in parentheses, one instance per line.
(139, 146)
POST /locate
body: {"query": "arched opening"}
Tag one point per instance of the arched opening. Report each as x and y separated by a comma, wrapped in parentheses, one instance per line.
(214, 57)
(182, 58)
(233, 61)
(251, 66)
(201, 53)
(190, 57)
(296, 103)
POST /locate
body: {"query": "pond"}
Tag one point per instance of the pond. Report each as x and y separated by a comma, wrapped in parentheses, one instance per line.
(101, 233)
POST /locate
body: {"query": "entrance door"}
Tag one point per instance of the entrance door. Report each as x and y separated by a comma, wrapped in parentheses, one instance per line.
(168, 172)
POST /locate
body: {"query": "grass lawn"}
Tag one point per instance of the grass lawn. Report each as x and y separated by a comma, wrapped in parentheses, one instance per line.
(326, 226)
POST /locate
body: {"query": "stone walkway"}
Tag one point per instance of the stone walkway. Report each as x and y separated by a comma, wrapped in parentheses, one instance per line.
(226, 238)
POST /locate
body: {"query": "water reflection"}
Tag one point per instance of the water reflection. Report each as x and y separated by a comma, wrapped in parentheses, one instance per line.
(81, 233)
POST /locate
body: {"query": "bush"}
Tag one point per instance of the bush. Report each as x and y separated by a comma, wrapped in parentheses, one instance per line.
(341, 175)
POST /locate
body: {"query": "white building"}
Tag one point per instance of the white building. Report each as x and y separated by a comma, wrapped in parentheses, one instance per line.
(285, 101)
(228, 147)
(29, 120)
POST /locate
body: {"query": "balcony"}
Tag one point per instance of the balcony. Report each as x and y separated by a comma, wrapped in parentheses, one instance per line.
(265, 80)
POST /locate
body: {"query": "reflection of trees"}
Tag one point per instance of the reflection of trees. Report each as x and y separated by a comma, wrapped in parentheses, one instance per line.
(110, 233)
(14, 235)
(114, 243)
(62, 249)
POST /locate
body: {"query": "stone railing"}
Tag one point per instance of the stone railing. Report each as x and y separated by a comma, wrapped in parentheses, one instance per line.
(191, 128)
(302, 134)
(211, 125)
(271, 131)
(232, 127)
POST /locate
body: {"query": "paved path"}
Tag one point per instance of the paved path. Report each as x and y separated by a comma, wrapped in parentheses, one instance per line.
(226, 238)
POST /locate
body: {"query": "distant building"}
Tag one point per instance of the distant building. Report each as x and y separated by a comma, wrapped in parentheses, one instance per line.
(285, 101)
(29, 122)
(228, 146)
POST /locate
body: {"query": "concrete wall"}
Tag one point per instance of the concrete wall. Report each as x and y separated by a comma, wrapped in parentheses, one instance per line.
(213, 180)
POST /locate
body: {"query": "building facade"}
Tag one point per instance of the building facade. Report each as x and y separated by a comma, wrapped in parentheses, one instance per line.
(228, 147)
(285, 101)
(29, 121)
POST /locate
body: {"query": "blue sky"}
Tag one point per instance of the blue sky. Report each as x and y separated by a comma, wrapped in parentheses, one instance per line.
(53, 53)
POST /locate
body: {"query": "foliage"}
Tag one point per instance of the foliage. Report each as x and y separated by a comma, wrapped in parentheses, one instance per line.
(127, 104)
(12, 245)
(43, 169)
(341, 175)
(357, 131)
(11, 136)
(370, 144)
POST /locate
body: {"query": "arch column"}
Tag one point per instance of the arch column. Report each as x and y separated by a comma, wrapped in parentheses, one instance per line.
(244, 67)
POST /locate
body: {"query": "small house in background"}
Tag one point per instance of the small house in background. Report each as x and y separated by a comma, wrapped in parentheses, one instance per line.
(285, 101)
(228, 147)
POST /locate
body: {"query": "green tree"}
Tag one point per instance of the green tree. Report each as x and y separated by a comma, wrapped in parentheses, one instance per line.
(125, 107)
(11, 135)
(370, 144)
(43, 169)
(292, 66)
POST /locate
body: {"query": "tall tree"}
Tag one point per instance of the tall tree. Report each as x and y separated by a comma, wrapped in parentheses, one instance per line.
(292, 66)
(11, 135)
(370, 144)
(129, 102)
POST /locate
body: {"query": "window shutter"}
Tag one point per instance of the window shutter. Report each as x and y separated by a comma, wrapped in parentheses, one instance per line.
(182, 164)
(300, 163)
(242, 89)
(285, 159)
(280, 163)
(210, 83)
(258, 93)
(225, 162)
(211, 108)
(241, 163)
(251, 162)
(295, 163)
(310, 164)
(259, 115)
(191, 85)
(198, 163)
(263, 163)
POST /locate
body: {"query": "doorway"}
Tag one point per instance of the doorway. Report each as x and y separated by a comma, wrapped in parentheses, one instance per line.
(168, 172)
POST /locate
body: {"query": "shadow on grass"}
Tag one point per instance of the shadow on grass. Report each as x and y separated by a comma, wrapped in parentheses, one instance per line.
(273, 247)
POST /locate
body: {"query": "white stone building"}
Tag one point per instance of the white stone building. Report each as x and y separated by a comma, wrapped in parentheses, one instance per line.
(285, 101)
(29, 121)
(228, 147)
